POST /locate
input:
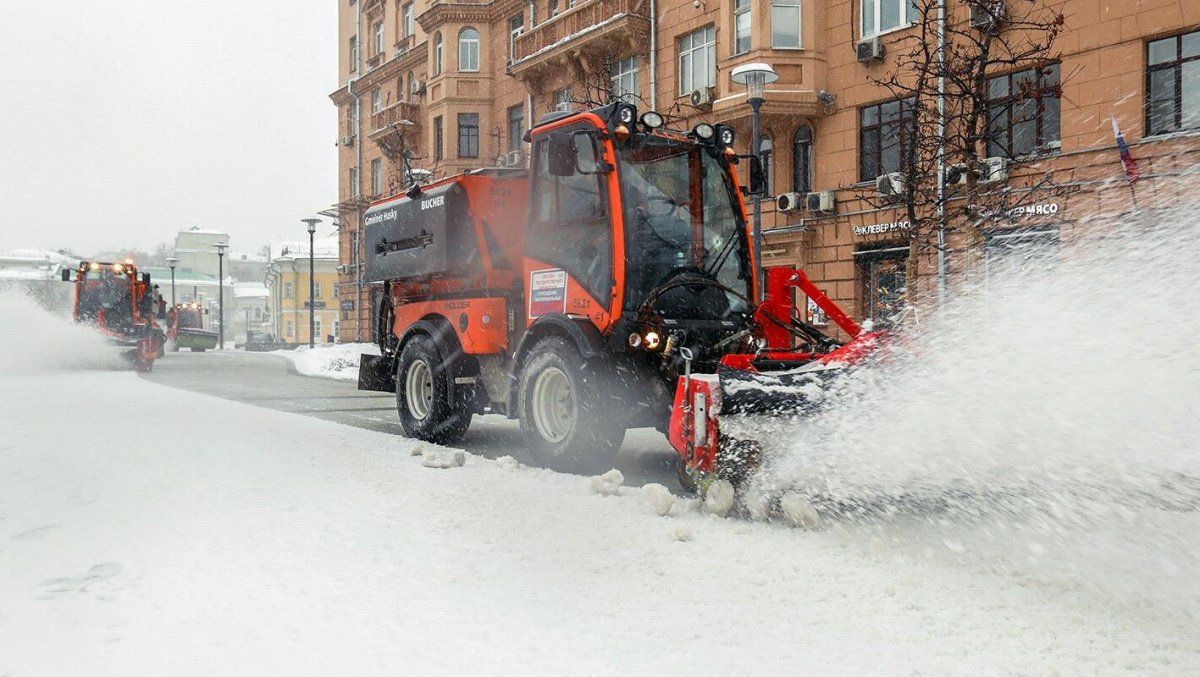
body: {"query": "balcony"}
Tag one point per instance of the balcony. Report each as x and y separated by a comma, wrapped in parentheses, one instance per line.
(394, 128)
(593, 28)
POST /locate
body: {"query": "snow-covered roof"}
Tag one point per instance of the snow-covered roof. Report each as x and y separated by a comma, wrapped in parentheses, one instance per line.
(35, 256)
(249, 290)
(323, 248)
(197, 230)
(27, 274)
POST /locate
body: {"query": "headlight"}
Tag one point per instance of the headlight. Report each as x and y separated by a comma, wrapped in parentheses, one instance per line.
(626, 114)
(704, 131)
(635, 340)
(652, 120)
(652, 340)
(725, 135)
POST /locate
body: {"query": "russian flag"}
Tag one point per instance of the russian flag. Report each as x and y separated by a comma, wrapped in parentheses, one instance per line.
(1131, 168)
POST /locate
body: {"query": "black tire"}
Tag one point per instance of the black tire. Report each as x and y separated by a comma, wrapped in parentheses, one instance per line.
(443, 414)
(580, 434)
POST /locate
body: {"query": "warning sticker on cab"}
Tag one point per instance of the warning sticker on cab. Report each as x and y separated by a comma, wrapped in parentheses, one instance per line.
(547, 292)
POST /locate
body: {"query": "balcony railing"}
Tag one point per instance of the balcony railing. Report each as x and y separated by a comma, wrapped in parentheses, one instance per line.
(575, 24)
(397, 113)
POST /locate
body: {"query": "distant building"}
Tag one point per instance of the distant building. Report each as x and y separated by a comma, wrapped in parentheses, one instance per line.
(38, 273)
(244, 267)
(195, 251)
(288, 290)
(250, 309)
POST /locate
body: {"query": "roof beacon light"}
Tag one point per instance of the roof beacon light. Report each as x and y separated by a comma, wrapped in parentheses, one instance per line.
(652, 120)
(704, 131)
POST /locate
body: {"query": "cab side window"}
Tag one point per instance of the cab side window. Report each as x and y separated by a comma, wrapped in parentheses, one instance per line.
(570, 221)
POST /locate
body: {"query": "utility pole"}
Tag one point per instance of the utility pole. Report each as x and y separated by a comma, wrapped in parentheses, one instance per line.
(172, 262)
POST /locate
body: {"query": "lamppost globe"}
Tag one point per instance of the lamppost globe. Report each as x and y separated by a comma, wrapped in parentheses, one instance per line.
(755, 76)
(171, 263)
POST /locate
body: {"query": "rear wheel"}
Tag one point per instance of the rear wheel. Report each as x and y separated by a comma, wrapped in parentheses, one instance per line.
(430, 407)
(562, 412)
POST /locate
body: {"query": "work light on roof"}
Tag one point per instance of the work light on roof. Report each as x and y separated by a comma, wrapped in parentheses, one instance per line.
(652, 120)
(626, 114)
(704, 131)
(726, 136)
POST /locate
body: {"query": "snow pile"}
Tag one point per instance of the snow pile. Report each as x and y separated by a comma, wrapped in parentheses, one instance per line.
(1046, 422)
(608, 484)
(34, 340)
(337, 361)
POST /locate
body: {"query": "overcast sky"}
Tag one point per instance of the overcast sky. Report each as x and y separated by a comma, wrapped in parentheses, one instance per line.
(125, 121)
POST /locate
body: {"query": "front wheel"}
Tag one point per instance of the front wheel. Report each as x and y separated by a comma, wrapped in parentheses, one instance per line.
(430, 408)
(563, 416)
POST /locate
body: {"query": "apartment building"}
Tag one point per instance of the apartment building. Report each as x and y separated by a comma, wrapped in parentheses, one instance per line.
(288, 300)
(430, 88)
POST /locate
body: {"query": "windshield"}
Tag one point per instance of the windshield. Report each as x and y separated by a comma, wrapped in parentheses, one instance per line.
(680, 215)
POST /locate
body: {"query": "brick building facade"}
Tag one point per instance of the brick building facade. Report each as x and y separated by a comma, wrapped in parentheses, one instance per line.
(435, 88)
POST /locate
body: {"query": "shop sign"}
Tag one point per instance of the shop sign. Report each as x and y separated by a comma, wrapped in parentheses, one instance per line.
(1044, 209)
(347, 305)
(317, 304)
(880, 228)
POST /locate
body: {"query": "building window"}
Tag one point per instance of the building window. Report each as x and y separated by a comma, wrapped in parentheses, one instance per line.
(766, 153)
(291, 331)
(553, 8)
(287, 290)
(468, 135)
(624, 74)
(880, 16)
(354, 187)
(378, 38)
(317, 330)
(376, 177)
(1023, 112)
(407, 13)
(785, 24)
(516, 127)
(377, 99)
(353, 53)
(802, 160)
(741, 26)
(1173, 84)
(468, 50)
(881, 275)
(516, 26)
(438, 139)
(697, 60)
(437, 53)
(563, 98)
(882, 133)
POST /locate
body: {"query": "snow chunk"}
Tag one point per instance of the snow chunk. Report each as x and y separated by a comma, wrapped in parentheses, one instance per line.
(718, 500)
(758, 503)
(661, 498)
(448, 458)
(681, 534)
(416, 450)
(799, 511)
(608, 484)
(508, 463)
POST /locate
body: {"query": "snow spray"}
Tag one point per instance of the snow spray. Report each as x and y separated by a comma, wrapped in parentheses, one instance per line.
(32, 339)
(1046, 423)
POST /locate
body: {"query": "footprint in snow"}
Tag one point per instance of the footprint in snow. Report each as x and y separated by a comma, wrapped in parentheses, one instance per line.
(37, 532)
(60, 587)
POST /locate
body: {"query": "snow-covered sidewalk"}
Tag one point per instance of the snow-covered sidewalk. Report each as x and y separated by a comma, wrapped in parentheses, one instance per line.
(146, 530)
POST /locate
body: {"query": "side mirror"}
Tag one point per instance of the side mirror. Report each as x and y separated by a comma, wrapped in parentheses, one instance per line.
(758, 178)
(66, 275)
(560, 159)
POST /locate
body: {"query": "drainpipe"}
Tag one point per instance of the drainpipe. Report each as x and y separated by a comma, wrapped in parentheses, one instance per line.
(941, 155)
(653, 55)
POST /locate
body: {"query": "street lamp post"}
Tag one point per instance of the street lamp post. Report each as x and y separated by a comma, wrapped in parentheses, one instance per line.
(756, 76)
(221, 246)
(312, 283)
(172, 262)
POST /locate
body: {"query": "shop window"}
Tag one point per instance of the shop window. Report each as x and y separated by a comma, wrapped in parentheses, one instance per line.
(1173, 84)
(741, 26)
(802, 160)
(1016, 250)
(883, 133)
(882, 283)
(1023, 112)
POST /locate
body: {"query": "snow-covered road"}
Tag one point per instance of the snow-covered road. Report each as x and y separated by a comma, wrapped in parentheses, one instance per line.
(147, 530)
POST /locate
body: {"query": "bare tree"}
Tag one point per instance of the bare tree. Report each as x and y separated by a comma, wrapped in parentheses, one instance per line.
(954, 111)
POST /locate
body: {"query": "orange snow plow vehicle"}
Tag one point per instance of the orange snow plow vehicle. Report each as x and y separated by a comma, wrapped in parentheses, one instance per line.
(118, 302)
(613, 284)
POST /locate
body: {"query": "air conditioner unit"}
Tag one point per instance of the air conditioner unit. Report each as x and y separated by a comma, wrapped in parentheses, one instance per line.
(502, 161)
(821, 202)
(993, 169)
(956, 175)
(703, 97)
(869, 50)
(344, 269)
(890, 185)
(789, 202)
(348, 140)
(987, 15)
(515, 158)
